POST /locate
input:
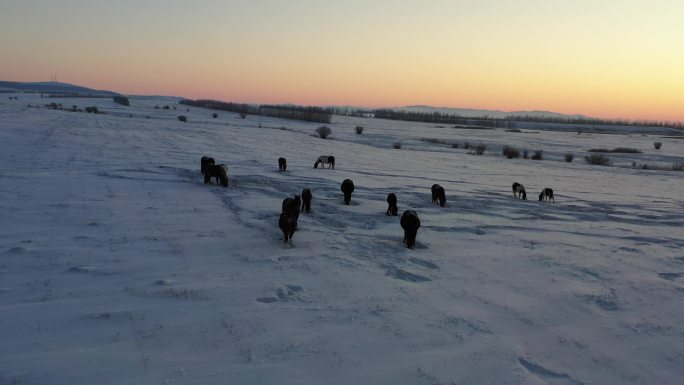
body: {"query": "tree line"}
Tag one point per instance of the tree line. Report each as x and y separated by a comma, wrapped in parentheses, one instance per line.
(308, 114)
(488, 121)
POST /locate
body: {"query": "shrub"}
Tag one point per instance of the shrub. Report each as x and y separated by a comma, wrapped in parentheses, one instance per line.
(454, 145)
(396, 145)
(156, 107)
(359, 130)
(121, 100)
(466, 145)
(511, 152)
(167, 107)
(678, 167)
(657, 145)
(74, 107)
(537, 155)
(243, 115)
(569, 157)
(214, 115)
(598, 159)
(323, 132)
(526, 154)
(480, 149)
(92, 110)
(183, 118)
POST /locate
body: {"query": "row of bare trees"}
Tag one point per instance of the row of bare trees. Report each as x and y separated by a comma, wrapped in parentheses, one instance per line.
(309, 114)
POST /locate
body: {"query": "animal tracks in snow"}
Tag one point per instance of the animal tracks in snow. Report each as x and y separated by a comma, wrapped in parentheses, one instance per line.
(284, 293)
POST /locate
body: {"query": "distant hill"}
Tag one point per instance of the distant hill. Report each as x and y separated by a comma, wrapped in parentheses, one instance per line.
(53, 88)
(469, 112)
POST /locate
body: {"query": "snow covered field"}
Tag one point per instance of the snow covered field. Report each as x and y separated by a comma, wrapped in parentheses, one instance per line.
(118, 266)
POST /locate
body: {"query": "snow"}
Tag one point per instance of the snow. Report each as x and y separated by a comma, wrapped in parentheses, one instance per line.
(118, 265)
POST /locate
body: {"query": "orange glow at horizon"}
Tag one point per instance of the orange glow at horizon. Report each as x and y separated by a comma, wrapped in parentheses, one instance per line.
(616, 59)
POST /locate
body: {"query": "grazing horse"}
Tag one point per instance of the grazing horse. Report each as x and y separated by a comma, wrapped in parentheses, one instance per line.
(291, 205)
(325, 159)
(347, 188)
(392, 202)
(288, 224)
(306, 200)
(547, 194)
(204, 162)
(282, 164)
(410, 223)
(519, 191)
(438, 194)
(219, 171)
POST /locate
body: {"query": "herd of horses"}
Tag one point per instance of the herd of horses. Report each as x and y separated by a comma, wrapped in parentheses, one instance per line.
(292, 207)
(519, 192)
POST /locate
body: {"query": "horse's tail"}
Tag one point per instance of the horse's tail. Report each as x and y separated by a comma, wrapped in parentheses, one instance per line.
(331, 159)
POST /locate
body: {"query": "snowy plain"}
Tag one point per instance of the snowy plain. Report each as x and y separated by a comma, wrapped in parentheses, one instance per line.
(119, 266)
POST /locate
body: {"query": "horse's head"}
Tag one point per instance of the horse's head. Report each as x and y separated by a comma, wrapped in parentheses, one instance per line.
(541, 195)
(524, 194)
(316, 164)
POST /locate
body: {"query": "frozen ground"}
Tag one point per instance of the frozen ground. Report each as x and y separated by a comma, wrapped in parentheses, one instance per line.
(118, 266)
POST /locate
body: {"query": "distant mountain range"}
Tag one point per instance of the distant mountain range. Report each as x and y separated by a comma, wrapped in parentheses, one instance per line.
(470, 113)
(53, 88)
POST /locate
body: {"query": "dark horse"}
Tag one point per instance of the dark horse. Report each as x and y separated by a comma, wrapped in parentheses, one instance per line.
(547, 194)
(288, 224)
(288, 218)
(204, 162)
(219, 171)
(410, 223)
(347, 188)
(392, 202)
(282, 164)
(438, 194)
(325, 159)
(306, 200)
(519, 191)
(291, 205)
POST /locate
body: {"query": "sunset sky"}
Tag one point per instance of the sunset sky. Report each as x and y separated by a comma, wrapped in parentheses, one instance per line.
(603, 58)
